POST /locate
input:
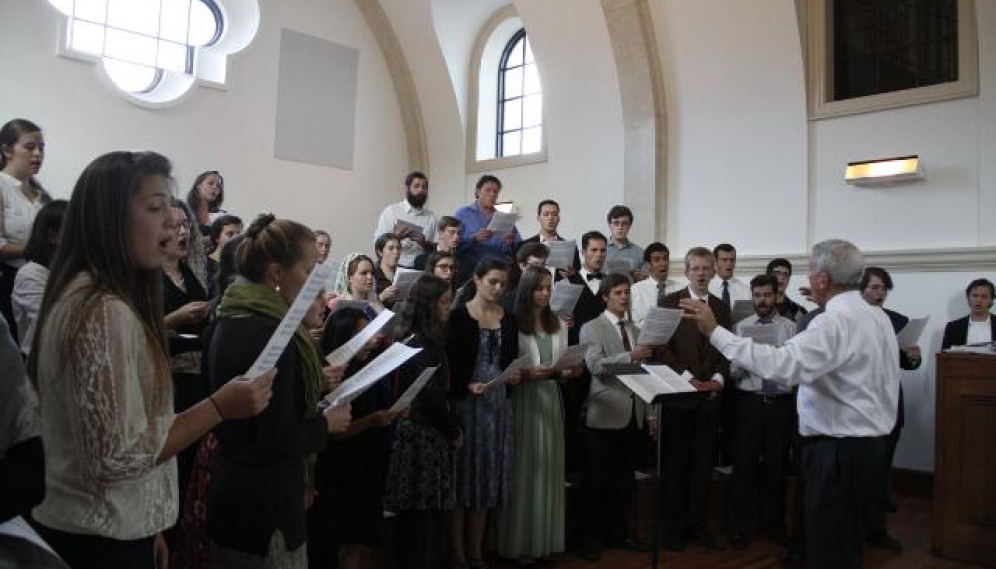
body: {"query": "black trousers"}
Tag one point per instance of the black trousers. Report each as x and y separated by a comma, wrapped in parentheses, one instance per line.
(876, 523)
(573, 394)
(842, 476)
(7, 275)
(690, 430)
(759, 455)
(94, 552)
(609, 483)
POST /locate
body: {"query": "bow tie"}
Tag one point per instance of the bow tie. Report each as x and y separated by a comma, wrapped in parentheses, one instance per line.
(595, 276)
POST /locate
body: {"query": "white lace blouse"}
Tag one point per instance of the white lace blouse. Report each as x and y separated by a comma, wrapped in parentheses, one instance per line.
(107, 408)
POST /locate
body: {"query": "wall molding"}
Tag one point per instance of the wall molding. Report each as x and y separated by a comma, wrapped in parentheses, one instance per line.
(404, 83)
(951, 259)
(641, 90)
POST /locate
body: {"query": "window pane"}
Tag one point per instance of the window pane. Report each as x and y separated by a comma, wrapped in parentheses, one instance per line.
(173, 24)
(172, 56)
(512, 117)
(529, 50)
(88, 38)
(127, 46)
(203, 25)
(92, 10)
(532, 140)
(511, 143)
(532, 80)
(515, 56)
(131, 77)
(532, 110)
(513, 83)
(140, 16)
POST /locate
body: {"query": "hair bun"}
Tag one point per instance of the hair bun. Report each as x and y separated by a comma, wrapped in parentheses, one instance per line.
(260, 223)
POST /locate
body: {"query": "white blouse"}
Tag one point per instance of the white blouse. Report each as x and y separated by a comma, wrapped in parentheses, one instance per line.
(107, 407)
(17, 214)
(26, 299)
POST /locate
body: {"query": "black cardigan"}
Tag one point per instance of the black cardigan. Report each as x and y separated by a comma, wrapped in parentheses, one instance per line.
(463, 339)
(257, 479)
(431, 407)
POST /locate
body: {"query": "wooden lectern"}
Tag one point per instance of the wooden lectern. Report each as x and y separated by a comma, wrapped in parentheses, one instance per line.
(965, 458)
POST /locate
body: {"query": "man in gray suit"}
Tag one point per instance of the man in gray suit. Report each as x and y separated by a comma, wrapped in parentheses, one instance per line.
(614, 417)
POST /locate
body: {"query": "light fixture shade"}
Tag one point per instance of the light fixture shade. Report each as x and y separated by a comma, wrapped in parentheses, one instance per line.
(884, 171)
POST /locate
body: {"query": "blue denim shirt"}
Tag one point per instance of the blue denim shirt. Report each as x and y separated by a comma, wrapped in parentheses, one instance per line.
(473, 220)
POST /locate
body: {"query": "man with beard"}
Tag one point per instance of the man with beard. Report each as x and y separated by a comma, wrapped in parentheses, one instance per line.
(398, 218)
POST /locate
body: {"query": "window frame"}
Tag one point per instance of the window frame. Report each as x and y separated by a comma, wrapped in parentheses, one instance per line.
(503, 67)
(820, 67)
(500, 27)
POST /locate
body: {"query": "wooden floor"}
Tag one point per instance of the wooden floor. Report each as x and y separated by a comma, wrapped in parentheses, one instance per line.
(911, 526)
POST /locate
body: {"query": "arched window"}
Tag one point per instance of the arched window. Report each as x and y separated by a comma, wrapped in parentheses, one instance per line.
(520, 100)
(155, 50)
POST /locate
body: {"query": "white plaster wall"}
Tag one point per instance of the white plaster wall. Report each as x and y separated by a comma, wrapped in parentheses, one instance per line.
(736, 121)
(231, 131)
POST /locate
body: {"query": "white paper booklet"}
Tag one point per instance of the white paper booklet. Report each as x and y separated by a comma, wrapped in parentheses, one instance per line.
(404, 279)
(345, 352)
(389, 360)
(910, 333)
(415, 230)
(659, 325)
(561, 253)
(511, 370)
(659, 380)
(502, 223)
(570, 357)
(405, 401)
(564, 297)
(619, 266)
(292, 319)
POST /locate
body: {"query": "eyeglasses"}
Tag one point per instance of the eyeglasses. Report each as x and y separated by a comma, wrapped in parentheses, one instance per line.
(444, 267)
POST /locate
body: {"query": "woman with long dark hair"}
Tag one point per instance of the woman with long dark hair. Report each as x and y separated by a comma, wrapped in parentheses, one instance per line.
(103, 376)
(205, 198)
(29, 284)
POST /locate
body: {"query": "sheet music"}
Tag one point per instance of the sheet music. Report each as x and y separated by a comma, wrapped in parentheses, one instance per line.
(389, 360)
(511, 370)
(910, 333)
(619, 266)
(564, 297)
(416, 229)
(502, 223)
(658, 380)
(404, 279)
(571, 357)
(659, 325)
(345, 352)
(292, 319)
(561, 253)
(405, 401)
(763, 334)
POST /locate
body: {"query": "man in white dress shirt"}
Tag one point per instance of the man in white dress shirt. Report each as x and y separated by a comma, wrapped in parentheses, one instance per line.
(724, 285)
(651, 291)
(845, 365)
(410, 210)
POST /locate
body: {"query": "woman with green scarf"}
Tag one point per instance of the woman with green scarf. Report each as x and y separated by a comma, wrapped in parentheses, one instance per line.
(263, 473)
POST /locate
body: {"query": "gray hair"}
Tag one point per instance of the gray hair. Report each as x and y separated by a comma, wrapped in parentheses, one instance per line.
(841, 260)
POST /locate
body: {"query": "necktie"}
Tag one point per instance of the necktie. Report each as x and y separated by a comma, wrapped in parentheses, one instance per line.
(595, 276)
(661, 292)
(726, 292)
(625, 336)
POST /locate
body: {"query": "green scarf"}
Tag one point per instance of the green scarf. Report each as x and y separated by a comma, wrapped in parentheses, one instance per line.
(244, 298)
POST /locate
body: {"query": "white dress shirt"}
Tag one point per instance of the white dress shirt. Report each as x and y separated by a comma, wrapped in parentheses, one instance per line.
(17, 214)
(403, 210)
(979, 332)
(748, 380)
(593, 284)
(738, 289)
(643, 295)
(844, 363)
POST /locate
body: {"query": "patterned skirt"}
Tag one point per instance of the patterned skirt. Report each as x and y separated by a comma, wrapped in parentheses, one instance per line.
(418, 476)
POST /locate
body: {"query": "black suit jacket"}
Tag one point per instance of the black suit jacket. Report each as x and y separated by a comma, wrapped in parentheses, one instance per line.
(956, 332)
(589, 307)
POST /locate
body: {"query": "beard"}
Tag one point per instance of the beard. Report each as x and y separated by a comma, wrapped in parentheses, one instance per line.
(416, 201)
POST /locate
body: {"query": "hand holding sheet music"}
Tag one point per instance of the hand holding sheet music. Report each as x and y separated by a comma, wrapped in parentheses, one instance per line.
(409, 230)
(510, 372)
(292, 319)
(389, 360)
(910, 333)
(659, 325)
(502, 223)
(570, 358)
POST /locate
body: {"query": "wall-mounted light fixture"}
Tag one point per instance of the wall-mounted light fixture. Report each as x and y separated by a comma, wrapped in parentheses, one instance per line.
(884, 171)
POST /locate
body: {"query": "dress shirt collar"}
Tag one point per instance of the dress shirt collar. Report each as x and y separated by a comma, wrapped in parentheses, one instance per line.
(10, 180)
(849, 298)
(691, 292)
(543, 239)
(613, 319)
(584, 272)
